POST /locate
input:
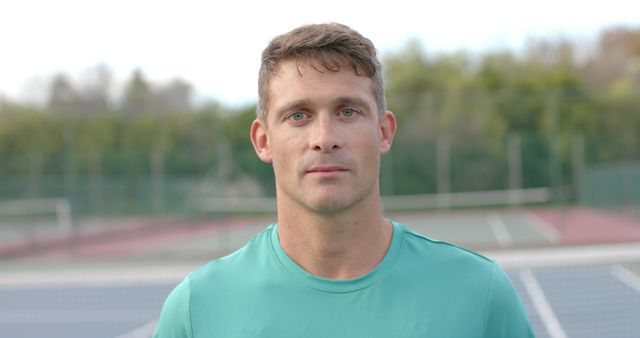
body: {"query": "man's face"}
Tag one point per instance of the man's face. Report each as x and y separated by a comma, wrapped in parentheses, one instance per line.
(324, 136)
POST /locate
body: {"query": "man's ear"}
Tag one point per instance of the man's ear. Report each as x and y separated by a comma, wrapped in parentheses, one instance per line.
(387, 131)
(260, 140)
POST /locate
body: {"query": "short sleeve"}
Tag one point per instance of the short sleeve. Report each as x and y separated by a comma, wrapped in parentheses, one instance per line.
(175, 318)
(505, 316)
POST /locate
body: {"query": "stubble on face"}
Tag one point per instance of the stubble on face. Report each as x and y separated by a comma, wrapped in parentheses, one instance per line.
(298, 87)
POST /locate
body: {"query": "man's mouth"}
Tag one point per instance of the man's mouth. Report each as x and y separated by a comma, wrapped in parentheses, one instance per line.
(326, 169)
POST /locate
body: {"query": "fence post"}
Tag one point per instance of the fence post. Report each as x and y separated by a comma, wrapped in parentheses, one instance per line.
(35, 173)
(554, 149)
(387, 171)
(95, 180)
(157, 179)
(70, 173)
(514, 155)
(444, 171)
(577, 161)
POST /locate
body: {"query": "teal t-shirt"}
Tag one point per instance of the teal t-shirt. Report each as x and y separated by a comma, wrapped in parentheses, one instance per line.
(421, 288)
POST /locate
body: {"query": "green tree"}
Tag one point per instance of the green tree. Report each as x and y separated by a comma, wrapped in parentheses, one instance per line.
(138, 97)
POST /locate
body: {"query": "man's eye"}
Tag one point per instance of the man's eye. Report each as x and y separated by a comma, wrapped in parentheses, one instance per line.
(297, 117)
(349, 112)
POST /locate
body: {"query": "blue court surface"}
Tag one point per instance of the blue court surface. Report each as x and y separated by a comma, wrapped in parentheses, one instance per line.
(579, 291)
(593, 301)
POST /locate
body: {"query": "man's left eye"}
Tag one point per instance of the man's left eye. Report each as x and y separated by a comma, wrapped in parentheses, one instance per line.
(348, 112)
(297, 116)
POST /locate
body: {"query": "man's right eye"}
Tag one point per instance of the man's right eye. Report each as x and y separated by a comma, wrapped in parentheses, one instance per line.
(297, 117)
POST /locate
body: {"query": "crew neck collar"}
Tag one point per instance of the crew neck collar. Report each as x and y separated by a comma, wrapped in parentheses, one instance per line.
(334, 285)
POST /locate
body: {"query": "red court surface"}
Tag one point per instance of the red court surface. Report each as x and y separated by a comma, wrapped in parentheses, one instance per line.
(126, 238)
(131, 237)
(587, 226)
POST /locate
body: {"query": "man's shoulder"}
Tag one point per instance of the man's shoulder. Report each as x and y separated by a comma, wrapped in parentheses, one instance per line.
(427, 249)
(236, 262)
(442, 263)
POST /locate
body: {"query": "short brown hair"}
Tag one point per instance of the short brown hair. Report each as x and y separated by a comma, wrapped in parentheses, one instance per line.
(332, 45)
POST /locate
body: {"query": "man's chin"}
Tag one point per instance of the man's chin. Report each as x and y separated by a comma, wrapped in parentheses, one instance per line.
(330, 204)
(324, 201)
(329, 208)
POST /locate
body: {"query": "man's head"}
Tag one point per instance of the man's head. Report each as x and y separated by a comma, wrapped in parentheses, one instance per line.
(330, 47)
(323, 125)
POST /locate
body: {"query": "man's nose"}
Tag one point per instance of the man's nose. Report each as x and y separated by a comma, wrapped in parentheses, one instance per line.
(325, 136)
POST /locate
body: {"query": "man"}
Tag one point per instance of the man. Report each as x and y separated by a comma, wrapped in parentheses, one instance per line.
(333, 266)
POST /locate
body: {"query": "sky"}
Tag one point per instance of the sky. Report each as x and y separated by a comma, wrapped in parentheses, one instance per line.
(216, 45)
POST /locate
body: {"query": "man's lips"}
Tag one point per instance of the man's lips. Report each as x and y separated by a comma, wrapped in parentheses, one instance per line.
(326, 169)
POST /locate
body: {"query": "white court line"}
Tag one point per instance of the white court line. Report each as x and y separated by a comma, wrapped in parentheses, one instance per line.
(625, 276)
(541, 304)
(567, 256)
(499, 230)
(94, 277)
(144, 331)
(53, 315)
(549, 232)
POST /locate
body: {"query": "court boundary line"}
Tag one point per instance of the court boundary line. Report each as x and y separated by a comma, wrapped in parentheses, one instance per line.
(499, 230)
(144, 331)
(625, 276)
(541, 304)
(596, 254)
(542, 227)
(56, 316)
(79, 277)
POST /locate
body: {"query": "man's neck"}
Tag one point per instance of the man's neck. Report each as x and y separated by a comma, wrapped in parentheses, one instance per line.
(341, 245)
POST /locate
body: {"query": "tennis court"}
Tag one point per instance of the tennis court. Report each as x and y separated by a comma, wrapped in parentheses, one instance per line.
(571, 285)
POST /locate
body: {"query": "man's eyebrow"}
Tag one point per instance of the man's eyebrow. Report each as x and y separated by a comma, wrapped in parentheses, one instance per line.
(353, 101)
(293, 105)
